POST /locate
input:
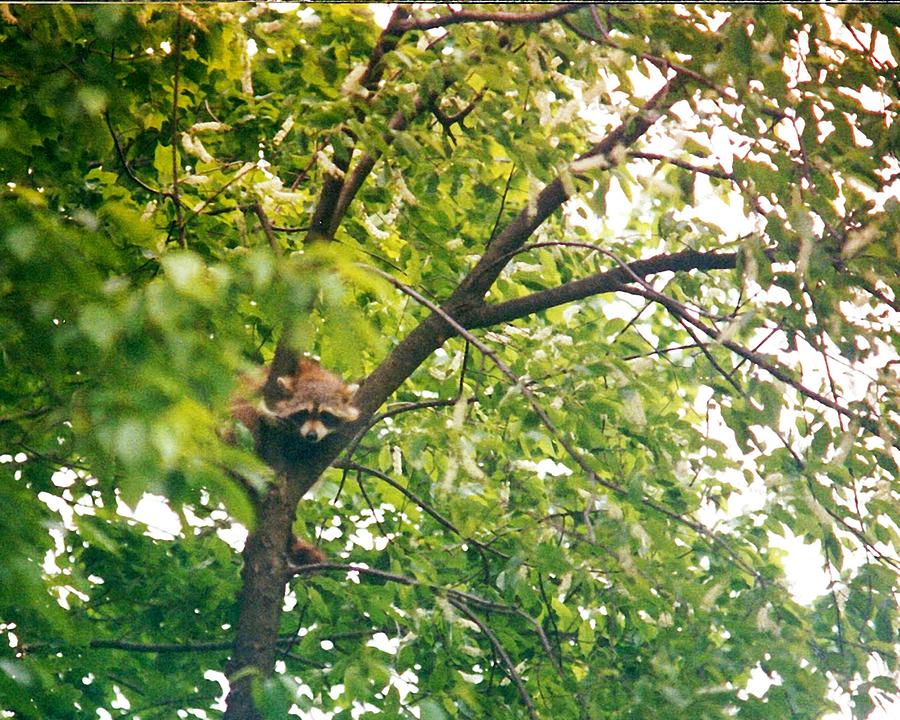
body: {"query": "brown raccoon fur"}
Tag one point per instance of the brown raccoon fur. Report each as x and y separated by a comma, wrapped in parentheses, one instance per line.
(311, 402)
(304, 553)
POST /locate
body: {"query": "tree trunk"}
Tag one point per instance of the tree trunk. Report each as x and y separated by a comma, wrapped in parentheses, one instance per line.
(262, 596)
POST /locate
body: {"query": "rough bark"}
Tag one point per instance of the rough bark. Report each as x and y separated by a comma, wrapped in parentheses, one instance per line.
(262, 596)
(602, 282)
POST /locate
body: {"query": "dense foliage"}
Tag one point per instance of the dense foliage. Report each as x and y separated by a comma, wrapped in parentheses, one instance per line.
(565, 502)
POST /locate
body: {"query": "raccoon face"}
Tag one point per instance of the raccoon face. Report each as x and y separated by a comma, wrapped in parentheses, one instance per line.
(315, 402)
(314, 423)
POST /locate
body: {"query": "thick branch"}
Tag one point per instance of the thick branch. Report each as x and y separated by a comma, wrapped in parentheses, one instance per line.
(469, 295)
(606, 281)
(387, 41)
(263, 579)
(323, 219)
(364, 165)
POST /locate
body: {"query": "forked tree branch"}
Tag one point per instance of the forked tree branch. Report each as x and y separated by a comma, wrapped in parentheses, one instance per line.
(322, 221)
(561, 438)
(469, 294)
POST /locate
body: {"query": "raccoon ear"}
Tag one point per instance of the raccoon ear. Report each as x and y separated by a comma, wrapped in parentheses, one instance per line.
(285, 383)
(352, 388)
(351, 413)
(306, 364)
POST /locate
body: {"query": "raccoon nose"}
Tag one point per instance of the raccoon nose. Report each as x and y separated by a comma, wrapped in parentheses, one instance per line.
(310, 434)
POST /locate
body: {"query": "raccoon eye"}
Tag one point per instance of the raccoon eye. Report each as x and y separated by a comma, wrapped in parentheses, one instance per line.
(299, 417)
(330, 418)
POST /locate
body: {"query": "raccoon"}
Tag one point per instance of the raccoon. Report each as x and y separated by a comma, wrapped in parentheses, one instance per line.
(310, 404)
(314, 401)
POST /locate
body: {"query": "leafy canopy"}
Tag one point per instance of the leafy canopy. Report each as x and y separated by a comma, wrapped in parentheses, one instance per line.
(553, 541)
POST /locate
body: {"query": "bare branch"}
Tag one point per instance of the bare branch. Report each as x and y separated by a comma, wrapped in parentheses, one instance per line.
(502, 654)
(494, 228)
(182, 647)
(606, 281)
(660, 62)
(441, 520)
(457, 117)
(712, 172)
(219, 211)
(267, 228)
(128, 171)
(412, 406)
(423, 504)
(682, 312)
(447, 121)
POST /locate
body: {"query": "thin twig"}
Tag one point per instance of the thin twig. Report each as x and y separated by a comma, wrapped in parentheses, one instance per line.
(419, 502)
(267, 227)
(712, 172)
(120, 153)
(179, 647)
(25, 415)
(869, 423)
(504, 657)
(494, 229)
(219, 211)
(182, 240)
(661, 63)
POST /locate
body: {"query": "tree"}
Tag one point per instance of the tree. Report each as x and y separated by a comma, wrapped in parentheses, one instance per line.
(502, 219)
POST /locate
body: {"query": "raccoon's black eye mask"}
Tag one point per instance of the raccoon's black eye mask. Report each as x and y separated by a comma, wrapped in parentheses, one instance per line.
(301, 416)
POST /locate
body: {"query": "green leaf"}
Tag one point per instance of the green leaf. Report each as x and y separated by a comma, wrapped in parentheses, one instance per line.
(431, 710)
